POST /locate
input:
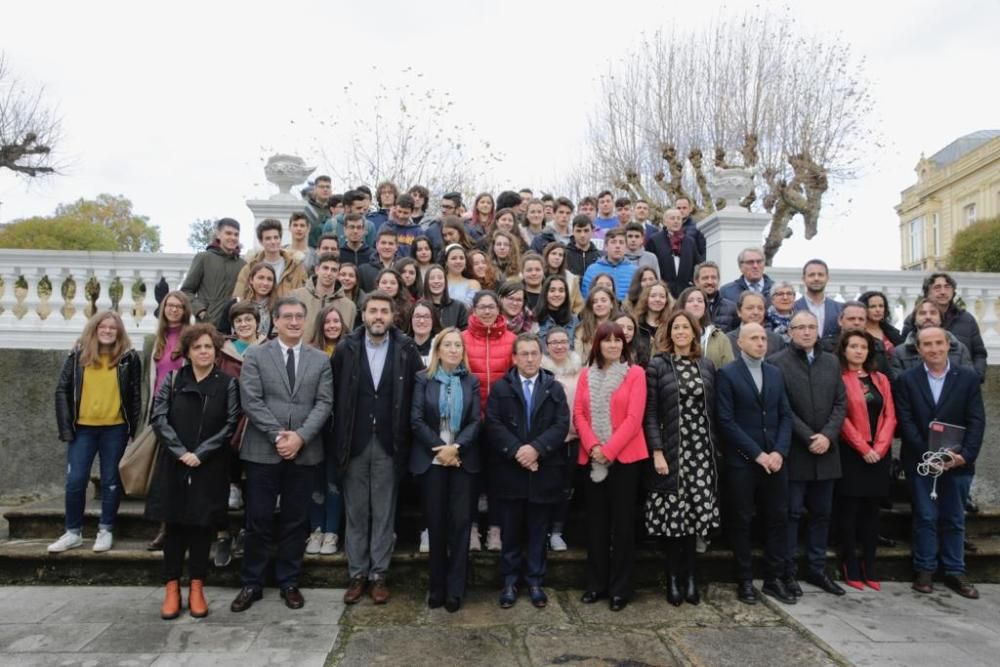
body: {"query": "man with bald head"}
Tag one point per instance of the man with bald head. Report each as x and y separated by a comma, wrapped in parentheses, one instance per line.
(927, 396)
(755, 421)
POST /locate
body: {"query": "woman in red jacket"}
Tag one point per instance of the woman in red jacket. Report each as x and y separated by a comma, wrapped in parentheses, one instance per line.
(866, 438)
(490, 348)
(608, 411)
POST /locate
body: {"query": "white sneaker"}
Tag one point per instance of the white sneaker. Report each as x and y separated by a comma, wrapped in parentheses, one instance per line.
(235, 497)
(475, 543)
(103, 541)
(425, 541)
(493, 539)
(315, 541)
(483, 505)
(66, 542)
(557, 543)
(329, 546)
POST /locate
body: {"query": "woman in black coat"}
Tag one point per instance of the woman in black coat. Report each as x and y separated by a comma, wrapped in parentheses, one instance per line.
(194, 415)
(445, 459)
(681, 483)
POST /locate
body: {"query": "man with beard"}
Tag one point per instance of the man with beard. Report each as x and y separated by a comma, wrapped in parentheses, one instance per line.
(815, 275)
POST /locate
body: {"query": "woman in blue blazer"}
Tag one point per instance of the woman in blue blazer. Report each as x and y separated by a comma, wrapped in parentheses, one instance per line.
(445, 458)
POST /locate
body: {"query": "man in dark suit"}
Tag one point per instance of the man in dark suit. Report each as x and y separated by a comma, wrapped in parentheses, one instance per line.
(527, 418)
(756, 424)
(751, 308)
(752, 278)
(937, 391)
(375, 368)
(287, 393)
(676, 252)
(815, 276)
(819, 403)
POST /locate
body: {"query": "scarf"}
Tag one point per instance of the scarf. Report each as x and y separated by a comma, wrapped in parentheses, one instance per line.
(676, 238)
(450, 399)
(602, 383)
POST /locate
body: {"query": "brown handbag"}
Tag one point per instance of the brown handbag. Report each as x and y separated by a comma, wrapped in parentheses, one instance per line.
(139, 460)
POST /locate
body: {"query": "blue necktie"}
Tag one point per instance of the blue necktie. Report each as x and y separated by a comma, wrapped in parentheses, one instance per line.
(527, 404)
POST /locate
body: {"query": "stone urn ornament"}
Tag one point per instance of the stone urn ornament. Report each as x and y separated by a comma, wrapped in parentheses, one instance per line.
(731, 183)
(286, 171)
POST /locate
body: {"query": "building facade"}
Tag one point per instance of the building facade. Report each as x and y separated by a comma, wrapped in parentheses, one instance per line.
(955, 187)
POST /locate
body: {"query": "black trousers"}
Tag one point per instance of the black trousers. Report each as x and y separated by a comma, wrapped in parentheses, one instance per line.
(859, 520)
(561, 512)
(524, 527)
(611, 507)
(447, 499)
(681, 553)
(745, 483)
(195, 541)
(287, 542)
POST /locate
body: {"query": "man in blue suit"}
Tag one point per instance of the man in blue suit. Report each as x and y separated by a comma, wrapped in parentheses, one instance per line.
(815, 276)
(936, 391)
(756, 424)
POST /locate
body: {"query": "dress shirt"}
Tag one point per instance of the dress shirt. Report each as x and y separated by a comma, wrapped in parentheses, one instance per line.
(937, 381)
(296, 349)
(376, 357)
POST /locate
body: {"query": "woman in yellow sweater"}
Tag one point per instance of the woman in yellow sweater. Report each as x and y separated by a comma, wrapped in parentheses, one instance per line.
(98, 409)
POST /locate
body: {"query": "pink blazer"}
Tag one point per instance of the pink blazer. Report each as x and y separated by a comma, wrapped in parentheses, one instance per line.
(856, 430)
(628, 403)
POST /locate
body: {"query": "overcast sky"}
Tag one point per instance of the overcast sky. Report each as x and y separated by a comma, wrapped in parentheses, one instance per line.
(177, 105)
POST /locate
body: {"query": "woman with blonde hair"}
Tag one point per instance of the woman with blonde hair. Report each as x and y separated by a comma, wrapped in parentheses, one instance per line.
(98, 410)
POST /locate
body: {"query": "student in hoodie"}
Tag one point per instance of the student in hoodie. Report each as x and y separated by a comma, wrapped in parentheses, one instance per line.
(614, 263)
(386, 194)
(635, 238)
(317, 209)
(384, 258)
(401, 223)
(558, 230)
(322, 291)
(355, 201)
(581, 253)
(210, 281)
(290, 272)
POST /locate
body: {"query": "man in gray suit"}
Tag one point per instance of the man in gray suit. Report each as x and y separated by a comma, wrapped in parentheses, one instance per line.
(287, 392)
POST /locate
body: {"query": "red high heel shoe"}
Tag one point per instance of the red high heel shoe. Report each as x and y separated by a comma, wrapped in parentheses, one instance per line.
(850, 582)
(874, 585)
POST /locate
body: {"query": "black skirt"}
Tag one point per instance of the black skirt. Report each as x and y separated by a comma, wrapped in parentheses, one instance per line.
(860, 479)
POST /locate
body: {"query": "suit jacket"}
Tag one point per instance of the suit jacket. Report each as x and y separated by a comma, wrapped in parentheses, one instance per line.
(775, 343)
(506, 431)
(425, 415)
(733, 290)
(831, 311)
(271, 406)
(680, 278)
(752, 422)
(961, 404)
(819, 402)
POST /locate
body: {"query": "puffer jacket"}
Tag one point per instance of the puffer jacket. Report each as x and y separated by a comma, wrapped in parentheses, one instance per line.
(491, 352)
(69, 389)
(662, 422)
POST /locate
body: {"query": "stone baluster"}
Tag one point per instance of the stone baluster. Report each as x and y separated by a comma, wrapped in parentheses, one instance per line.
(126, 303)
(148, 305)
(32, 275)
(8, 299)
(77, 301)
(104, 277)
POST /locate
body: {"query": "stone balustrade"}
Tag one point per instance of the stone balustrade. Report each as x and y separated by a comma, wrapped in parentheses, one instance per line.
(45, 302)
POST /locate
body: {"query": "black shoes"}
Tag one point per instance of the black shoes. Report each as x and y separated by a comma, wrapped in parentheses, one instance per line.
(292, 597)
(691, 594)
(435, 601)
(746, 593)
(538, 597)
(508, 596)
(822, 580)
(618, 603)
(245, 599)
(674, 595)
(590, 597)
(776, 588)
(451, 605)
(793, 586)
(223, 551)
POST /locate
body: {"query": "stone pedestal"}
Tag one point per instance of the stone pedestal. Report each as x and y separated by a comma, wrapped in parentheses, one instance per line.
(729, 231)
(286, 172)
(279, 209)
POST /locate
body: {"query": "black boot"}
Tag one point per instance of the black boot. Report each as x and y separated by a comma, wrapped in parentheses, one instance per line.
(674, 594)
(691, 594)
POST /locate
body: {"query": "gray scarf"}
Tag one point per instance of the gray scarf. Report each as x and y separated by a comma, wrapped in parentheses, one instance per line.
(602, 383)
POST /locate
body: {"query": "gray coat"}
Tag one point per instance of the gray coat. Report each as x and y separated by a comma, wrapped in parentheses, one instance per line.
(271, 408)
(819, 404)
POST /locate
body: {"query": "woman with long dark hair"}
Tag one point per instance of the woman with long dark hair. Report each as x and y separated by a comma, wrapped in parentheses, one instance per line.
(481, 219)
(451, 312)
(715, 345)
(423, 252)
(607, 411)
(422, 326)
(598, 309)
(553, 309)
(512, 306)
(641, 279)
(409, 271)
(390, 282)
(505, 254)
(554, 256)
(682, 482)
(461, 285)
(98, 410)
(879, 323)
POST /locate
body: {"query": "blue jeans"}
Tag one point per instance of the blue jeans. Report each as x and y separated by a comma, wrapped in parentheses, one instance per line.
(326, 505)
(109, 442)
(939, 525)
(817, 497)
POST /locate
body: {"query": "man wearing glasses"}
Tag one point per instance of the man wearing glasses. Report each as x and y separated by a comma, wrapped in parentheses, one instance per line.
(819, 403)
(753, 278)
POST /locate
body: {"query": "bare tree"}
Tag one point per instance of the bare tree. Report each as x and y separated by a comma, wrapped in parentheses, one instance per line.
(794, 107)
(405, 132)
(29, 130)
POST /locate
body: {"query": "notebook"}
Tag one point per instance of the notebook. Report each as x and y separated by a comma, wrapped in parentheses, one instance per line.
(945, 436)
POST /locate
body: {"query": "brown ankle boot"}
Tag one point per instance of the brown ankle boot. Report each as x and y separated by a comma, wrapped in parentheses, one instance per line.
(196, 599)
(171, 600)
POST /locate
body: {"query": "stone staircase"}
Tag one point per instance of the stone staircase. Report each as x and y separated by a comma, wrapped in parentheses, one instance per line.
(23, 556)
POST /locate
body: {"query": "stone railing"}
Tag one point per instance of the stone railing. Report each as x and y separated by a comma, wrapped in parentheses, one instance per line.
(47, 295)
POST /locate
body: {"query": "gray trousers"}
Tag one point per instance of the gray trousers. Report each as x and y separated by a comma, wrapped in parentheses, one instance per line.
(370, 489)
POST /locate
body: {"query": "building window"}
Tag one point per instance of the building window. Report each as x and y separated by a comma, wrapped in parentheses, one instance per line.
(970, 214)
(917, 239)
(935, 236)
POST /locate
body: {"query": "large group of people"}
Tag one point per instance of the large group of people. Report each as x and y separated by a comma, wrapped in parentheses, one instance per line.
(499, 358)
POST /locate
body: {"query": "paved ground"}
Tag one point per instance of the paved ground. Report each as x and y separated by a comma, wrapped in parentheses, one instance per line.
(898, 626)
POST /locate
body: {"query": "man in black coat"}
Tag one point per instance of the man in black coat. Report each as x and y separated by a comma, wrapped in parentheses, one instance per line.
(723, 311)
(819, 403)
(374, 369)
(527, 418)
(755, 421)
(676, 252)
(937, 392)
(906, 356)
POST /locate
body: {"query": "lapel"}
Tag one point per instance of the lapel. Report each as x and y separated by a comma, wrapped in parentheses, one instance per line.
(279, 361)
(949, 386)
(925, 390)
(434, 397)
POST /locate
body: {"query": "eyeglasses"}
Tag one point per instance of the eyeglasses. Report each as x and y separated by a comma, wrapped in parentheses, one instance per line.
(804, 327)
(752, 261)
(293, 317)
(173, 306)
(558, 343)
(782, 293)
